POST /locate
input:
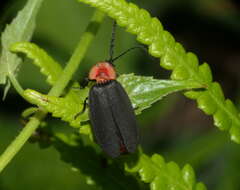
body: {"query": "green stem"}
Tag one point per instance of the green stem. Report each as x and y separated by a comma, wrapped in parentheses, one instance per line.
(21, 139)
(57, 89)
(78, 54)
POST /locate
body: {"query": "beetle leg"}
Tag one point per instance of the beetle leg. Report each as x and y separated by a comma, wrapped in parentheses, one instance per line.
(84, 83)
(85, 104)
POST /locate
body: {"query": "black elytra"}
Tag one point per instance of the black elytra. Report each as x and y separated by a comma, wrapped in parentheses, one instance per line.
(112, 119)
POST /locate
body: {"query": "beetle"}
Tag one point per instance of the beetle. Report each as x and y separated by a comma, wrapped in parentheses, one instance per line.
(111, 114)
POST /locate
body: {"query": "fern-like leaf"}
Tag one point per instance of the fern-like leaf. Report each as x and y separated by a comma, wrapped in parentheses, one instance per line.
(48, 66)
(154, 170)
(20, 29)
(66, 108)
(143, 91)
(184, 65)
(165, 176)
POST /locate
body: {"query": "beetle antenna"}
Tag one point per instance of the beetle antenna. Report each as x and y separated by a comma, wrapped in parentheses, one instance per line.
(111, 49)
(112, 44)
(128, 50)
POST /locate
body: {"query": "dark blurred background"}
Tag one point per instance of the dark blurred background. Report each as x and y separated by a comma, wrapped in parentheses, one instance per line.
(173, 127)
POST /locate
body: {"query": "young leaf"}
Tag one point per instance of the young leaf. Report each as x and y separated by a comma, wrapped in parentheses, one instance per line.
(48, 66)
(184, 65)
(143, 91)
(20, 29)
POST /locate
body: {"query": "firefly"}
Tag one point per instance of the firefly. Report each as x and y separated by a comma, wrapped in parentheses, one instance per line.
(111, 113)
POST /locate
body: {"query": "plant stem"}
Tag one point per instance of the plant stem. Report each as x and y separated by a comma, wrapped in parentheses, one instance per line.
(20, 140)
(78, 54)
(57, 89)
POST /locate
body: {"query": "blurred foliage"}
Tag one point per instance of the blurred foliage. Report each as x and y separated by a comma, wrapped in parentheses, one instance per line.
(33, 168)
(173, 126)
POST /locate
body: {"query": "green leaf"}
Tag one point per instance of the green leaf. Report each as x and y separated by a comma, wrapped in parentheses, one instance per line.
(154, 170)
(86, 130)
(164, 176)
(205, 73)
(103, 173)
(66, 108)
(143, 92)
(184, 65)
(48, 66)
(20, 29)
